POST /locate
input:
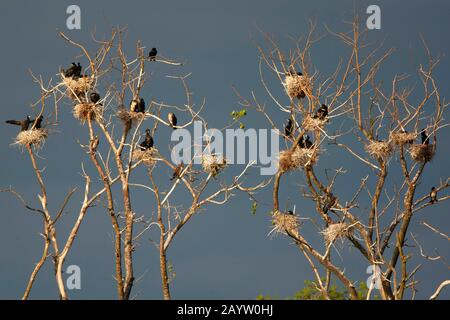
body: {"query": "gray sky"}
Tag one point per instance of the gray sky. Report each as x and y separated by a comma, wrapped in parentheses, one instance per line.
(224, 252)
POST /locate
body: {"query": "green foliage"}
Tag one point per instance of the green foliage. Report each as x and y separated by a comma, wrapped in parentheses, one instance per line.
(254, 207)
(311, 292)
(237, 115)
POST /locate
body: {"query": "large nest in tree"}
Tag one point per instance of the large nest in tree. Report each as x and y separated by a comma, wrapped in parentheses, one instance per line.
(285, 223)
(213, 163)
(297, 86)
(299, 158)
(310, 123)
(77, 88)
(379, 149)
(335, 231)
(129, 117)
(35, 137)
(84, 111)
(401, 138)
(422, 152)
(148, 156)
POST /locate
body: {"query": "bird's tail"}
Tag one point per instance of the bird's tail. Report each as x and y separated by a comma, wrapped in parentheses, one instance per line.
(11, 122)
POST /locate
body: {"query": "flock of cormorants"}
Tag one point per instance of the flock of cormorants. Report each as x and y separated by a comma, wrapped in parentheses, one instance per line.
(305, 141)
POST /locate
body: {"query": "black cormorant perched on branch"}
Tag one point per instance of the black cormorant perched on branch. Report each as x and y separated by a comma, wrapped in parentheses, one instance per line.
(321, 113)
(305, 142)
(177, 171)
(425, 137)
(74, 71)
(140, 106)
(152, 54)
(148, 141)
(94, 97)
(288, 129)
(24, 124)
(172, 119)
(38, 122)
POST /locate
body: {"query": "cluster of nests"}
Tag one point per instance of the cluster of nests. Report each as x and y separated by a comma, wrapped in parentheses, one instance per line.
(297, 85)
(305, 153)
(288, 223)
(213, 163)
(419, 152)
(77, 87)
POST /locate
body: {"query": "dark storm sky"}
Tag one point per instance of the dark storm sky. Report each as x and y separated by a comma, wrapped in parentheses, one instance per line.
(224, 252)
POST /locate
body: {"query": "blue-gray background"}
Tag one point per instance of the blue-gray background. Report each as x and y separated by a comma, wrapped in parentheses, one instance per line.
(223, 252)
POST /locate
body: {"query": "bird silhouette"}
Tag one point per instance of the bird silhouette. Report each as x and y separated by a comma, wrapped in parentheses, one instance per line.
(94, 97)
(133, 105)
(321, 113)
(177, 171)
(148, 141)
(305, 142)
(74, 71)
(288, 129)
(433, 195)
(172, 120)
(424, 136)
(37, 124)
(140, 106)
(152, 54)
(24, 124)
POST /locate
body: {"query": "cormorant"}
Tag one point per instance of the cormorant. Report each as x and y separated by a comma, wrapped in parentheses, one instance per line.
(74, 71)
(38, 122)
(140, 106)
(94, 97)
(288, 129)
(152, 54)
(24, 124)
(133, 105)
(172, 119)
(321, 113)
(424, 136)
(305, 142)
(148, 141)
(177, 171)
(433, 195)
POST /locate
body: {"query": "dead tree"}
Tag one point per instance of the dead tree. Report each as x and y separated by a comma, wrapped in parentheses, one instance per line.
(115, 163)
(386, 123)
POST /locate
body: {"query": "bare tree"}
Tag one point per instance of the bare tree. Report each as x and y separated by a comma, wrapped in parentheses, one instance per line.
(118, 80)
(386, 123)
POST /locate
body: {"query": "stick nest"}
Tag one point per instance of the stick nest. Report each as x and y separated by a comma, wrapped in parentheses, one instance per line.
(285, 223)
(35, 137)
(422, 152)
(77, 88)
(313, 124)
(335, 231)
(297, 86)
(213, 163)
(84, 111)
(129, 117)
(379, 149)
(402, 138)
(299, 158)
(148, 156)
